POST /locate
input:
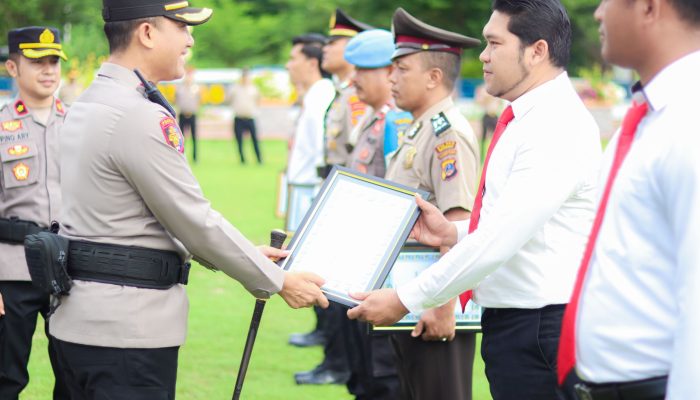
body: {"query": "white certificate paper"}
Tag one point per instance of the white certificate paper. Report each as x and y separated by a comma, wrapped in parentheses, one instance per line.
(352, 234)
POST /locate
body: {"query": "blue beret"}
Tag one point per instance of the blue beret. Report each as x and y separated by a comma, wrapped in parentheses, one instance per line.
(370, 49)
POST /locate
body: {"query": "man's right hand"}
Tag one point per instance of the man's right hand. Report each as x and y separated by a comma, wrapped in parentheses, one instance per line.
(432, 228)
(303, 289)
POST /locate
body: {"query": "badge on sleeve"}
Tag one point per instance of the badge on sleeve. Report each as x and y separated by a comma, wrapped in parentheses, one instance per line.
(440, 124)
(171, 133)
(447, 148)
(21, 171)
(12, 126)
(449, 169)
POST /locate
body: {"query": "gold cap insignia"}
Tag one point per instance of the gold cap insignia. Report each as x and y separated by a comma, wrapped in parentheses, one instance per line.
(46, 36)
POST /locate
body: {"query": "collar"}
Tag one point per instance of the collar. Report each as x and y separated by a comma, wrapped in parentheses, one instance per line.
(523, 104)
(20, 109)
(121, 75)
(345, 84)
(442, 105)
(675, 78)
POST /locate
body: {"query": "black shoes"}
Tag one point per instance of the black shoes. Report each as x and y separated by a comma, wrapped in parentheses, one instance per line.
(314, 338)
(321, 376)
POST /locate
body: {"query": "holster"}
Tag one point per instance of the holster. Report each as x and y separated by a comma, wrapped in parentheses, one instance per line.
(47, 259)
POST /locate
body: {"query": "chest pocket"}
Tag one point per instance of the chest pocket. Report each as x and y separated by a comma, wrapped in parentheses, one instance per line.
(366, 153)
(19, 164)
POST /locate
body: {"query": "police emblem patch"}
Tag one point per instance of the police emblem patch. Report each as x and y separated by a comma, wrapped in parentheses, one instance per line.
(18, 150)
(21, 171)
(12, 126)
(20, 108)
(449, 169)
(440, 124)
(171, 133)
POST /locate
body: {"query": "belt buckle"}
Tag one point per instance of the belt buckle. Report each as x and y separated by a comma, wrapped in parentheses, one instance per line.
(583, 391)
(184, 273)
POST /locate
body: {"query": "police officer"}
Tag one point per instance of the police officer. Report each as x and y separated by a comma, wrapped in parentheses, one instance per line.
(373, 371)
(344, 113)
(439, 154)
(30, 196)
(135, 214)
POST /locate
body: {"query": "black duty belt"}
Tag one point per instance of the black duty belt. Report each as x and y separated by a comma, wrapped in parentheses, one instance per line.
(13, 230)
(647, 389)
(126, 265)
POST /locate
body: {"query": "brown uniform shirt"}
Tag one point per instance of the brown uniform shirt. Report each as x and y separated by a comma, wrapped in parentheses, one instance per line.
(126, 181)
(29, 176)
(344, 114)
(439, 154)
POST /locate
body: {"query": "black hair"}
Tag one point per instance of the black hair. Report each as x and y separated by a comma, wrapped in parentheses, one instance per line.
(533, 20)
(120, 33)
(688, 10)
(312, 48)
(448, 63)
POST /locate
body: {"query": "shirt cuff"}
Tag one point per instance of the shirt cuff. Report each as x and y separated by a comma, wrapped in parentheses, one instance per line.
(462, 229)
(412, 297)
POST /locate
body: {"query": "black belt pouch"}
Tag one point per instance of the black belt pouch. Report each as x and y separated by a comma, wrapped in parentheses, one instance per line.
(47, 258)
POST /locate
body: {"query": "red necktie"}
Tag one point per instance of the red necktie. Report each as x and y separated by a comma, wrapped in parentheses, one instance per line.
(567, 344)
(503, 121)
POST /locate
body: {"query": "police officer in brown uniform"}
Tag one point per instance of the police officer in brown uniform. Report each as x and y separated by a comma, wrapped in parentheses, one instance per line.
(347, 109)
(30, 195)
(439, 154)
(135, 214)
(342, 116)
(373, 370)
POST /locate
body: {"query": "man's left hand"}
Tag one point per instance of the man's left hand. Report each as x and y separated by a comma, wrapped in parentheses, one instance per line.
(437, 323)
(380, 307)
(273, 253)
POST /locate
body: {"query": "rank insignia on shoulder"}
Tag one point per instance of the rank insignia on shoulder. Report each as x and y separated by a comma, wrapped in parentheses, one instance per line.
(413, 131)
(440, 124)
(20, 108)
(12, 126)
(18, 150)
(410, 157)
(21, 171)
(449, 169)
(171, 133)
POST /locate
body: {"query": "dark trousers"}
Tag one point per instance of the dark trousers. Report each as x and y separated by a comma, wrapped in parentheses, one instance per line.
(519, 347)
(373, 374)
(240, 126)
(106, 373)
(435, 370)
(190, 121)
(334, 329)
(23, 304)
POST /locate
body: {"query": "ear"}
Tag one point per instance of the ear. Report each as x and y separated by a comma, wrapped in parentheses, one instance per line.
(537, 52)
(12, 68)
(144, 35)
(435, 77)
(651, 10)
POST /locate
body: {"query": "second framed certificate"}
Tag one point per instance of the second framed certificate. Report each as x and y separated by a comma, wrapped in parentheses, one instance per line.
(353, 233)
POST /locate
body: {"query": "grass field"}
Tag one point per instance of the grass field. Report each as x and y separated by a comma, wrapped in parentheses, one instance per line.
(220, 308)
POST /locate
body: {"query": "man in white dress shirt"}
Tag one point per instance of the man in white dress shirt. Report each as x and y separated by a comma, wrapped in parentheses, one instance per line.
(305, 72)
(635, 335)
(534, 208)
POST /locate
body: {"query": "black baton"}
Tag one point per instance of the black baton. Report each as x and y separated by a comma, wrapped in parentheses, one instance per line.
(277, 238)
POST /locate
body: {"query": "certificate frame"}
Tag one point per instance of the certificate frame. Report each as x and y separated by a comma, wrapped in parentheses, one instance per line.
(339, 177)
(300, 198)
(418, 258)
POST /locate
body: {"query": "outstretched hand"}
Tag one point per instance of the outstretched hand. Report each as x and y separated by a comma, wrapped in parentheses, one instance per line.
(273, 253)
(303, 289)
(432, 228)
(380, 307)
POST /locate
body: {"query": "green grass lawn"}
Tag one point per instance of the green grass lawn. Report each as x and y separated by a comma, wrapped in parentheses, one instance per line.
(220, 308)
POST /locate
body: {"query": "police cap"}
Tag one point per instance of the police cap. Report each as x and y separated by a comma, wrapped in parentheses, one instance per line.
(413, 35)
(342, 25)
(35, 42)
(124, 10)
(370, 49)
(310, 38)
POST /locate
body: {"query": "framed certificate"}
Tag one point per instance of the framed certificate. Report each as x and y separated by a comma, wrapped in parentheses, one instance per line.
(353, 232)
(414, 259)
(299, 200)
